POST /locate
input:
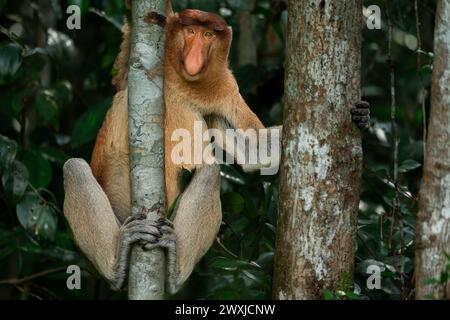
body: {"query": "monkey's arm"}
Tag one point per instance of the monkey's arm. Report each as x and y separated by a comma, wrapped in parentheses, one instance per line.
(240, 116)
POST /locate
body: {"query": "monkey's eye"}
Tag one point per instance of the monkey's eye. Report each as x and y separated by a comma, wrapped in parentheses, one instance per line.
(209, 34)
(190, 30)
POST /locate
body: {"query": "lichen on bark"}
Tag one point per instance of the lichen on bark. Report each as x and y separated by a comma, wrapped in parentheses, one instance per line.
(433, 219)
(321, 163)
(146, 132)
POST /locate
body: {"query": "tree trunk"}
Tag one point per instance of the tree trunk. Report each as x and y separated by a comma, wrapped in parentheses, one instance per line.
(433, 220)
(146, 132)
(322, 153)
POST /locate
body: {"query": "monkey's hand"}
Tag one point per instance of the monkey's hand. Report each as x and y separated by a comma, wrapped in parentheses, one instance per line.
(361, 114)
(136, 229)
(167, 240)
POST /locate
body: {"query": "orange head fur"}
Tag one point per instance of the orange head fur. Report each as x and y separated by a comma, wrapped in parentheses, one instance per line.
(198, 44)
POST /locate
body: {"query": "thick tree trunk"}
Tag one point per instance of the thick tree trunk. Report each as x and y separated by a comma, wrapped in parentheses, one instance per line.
(433, 220)
(146, 132)
(321, 166)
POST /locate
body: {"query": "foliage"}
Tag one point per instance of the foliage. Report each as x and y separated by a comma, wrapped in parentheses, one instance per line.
(55, 87)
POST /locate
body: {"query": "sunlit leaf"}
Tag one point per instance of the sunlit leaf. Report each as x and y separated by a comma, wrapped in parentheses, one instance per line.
(54, 155)
(408, 165)
(230, 173)
(15, 181)
(37, 217)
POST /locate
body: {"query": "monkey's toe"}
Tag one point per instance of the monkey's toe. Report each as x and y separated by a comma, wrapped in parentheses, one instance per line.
(163, 222)
(167, 241)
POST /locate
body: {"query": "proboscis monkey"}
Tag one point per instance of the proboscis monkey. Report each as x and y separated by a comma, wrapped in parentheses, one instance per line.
(198, 85)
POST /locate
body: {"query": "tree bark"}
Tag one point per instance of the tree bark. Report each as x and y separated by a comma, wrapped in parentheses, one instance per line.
(433, 220)
(322, 153)
(146, 133)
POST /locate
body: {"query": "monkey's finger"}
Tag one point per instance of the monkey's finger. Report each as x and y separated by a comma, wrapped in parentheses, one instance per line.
(165, 222)
(360, 119)
(140, 237)
(167, 241)
(143, 222)
(363, 125)
(361, 112)
(134, 217)
(362, 105)
(144, 228)
(167, 230)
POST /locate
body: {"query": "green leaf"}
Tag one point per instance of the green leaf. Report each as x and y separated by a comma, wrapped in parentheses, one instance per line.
(37, 217)
(351, 295)
(87, 126)
(63, 93)
(47, 108)
(13, 102)
(10, 61)
(8, 151)
(328, 295)
(39, 169)
(408, 165)
(230, 173)
(54, 155)
(15, 181)
(426, 70)
(225, 263)
(232, 202)
(232, 264)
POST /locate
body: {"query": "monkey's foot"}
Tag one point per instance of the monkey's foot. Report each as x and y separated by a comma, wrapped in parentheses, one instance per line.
(361, 114)
(167, 238)
(136, 229)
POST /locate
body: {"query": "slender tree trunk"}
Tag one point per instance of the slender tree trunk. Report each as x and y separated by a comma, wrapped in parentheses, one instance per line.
(433, 220)
(321, 167)
(146, 132)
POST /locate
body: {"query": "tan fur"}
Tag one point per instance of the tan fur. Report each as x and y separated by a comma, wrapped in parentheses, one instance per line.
(213, 94)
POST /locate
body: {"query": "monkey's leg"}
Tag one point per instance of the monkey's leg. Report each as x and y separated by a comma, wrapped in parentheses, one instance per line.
(198, 215)
(95, 227)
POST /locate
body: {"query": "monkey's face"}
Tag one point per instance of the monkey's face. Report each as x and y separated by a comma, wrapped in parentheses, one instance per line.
(198, 42)
(201, 41)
